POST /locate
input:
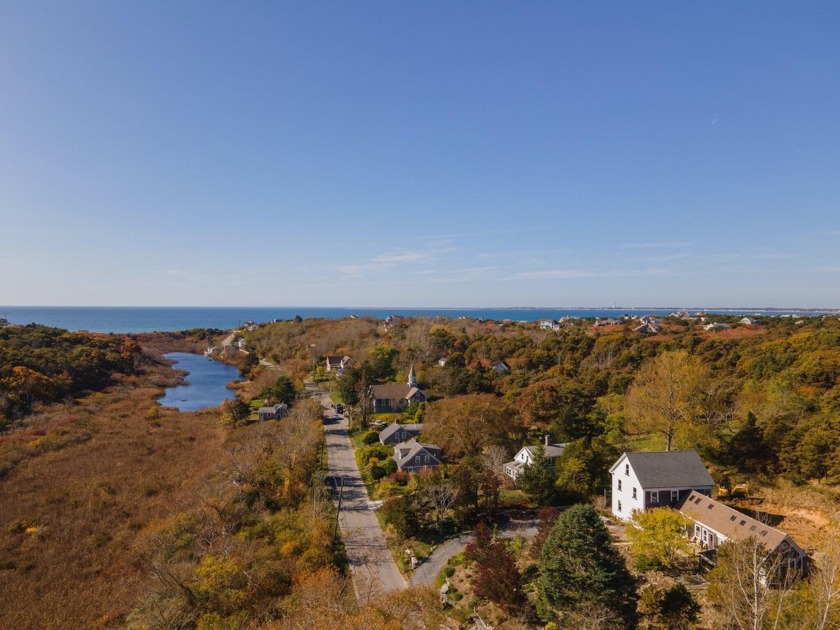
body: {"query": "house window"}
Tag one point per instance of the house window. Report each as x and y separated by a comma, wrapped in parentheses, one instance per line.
(619, 506)
(705, 535)
(627, 469)
(619, 485)
(634, 493)
(417, 459)
(696, 531)
(653, 497)
(675, 496)
(427, 459)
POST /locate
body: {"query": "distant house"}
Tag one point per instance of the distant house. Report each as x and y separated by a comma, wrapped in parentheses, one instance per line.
(715, 523)
(647, 328)
(442, 361)
(394, 396)
(527, 455)
(337, 363)
(641, 481)
(716, 326)
(748, 321)
(501, 367)
(275, 412)
(413, 456)
(548, 324)
(606, 322)
(396, 433)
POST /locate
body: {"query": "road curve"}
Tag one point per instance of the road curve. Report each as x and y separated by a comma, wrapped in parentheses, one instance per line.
(373, 569)
(429, 569)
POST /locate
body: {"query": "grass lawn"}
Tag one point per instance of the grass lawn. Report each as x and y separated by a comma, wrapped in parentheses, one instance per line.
(648, 442)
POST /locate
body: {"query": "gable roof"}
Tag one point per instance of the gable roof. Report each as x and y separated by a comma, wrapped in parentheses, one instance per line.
(390, 390)
(394, 391)
(404, 452)
(388, 431)
(668, 469)
(730, 522)
(552, 451)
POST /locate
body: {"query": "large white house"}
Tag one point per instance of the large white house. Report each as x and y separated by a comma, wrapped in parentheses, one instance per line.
(641, 481)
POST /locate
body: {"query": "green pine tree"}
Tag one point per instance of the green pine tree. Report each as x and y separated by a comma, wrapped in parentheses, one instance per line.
(580, 569)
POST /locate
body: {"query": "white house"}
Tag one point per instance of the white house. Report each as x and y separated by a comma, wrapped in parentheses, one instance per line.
(641, 481)
(526, 456)
(338, 363)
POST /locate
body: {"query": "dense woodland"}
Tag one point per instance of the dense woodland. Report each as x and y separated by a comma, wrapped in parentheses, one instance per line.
(42, 365)
(760, 399)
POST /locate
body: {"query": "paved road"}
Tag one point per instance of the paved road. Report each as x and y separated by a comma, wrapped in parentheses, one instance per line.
(433, 565)
(373, 568)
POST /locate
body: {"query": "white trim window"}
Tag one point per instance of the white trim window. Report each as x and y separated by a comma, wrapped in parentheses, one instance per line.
(619, 485)
(634, 493)
(619, 506)
(653, 497)
(675, 496)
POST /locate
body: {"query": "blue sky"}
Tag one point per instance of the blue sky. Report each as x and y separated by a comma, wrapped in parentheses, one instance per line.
(420, 153)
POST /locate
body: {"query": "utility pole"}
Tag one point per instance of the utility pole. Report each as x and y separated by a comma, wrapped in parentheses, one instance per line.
(338, 511)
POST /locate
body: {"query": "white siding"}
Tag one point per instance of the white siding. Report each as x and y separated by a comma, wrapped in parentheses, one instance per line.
(625, 495)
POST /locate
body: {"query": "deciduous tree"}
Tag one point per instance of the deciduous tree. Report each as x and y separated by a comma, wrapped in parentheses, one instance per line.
(666, 395)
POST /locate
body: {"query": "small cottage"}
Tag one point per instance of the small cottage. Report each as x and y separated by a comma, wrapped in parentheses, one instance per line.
(413, 456)
(396, 433)
(527, 455)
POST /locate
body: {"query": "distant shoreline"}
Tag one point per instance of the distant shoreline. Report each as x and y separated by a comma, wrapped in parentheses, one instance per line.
(146, 319)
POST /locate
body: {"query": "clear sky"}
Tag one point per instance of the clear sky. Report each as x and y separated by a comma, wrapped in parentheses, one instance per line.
(389, 153)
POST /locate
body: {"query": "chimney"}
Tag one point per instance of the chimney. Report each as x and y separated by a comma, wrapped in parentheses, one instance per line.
(546, 439)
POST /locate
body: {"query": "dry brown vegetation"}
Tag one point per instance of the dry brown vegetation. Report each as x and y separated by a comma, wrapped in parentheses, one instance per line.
(70, 511)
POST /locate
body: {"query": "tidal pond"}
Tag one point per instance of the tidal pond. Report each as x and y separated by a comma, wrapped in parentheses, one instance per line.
(204, 386)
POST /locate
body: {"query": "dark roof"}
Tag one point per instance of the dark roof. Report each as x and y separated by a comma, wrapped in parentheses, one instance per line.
(388, 431)
(670, 469)
(404, 452)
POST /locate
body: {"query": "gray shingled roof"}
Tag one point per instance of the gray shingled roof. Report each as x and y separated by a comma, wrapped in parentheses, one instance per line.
(404, 452)
(388, 431)
(552, 451)
(670, 469)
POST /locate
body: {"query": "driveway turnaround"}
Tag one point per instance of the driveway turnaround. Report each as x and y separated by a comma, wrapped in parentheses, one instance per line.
(373, 568)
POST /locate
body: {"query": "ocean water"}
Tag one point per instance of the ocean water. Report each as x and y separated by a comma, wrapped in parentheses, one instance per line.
(132, 319)
(205, 385)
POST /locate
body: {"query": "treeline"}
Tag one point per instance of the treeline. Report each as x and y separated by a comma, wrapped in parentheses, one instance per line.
(41, 365)
(759, 399)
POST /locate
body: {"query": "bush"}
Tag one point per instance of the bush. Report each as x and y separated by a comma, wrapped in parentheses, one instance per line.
(377, 472)
(400, 477)
(371, 437)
